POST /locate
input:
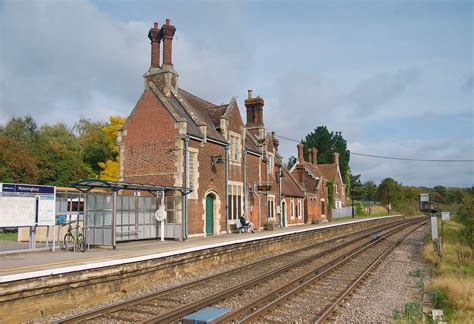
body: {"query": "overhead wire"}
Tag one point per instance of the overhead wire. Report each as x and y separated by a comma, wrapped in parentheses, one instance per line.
(393, 157)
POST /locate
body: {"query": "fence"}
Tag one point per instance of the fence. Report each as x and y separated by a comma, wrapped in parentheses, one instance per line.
(341, 212)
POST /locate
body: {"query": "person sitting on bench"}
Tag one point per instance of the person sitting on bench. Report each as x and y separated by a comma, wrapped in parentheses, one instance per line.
(246, 223)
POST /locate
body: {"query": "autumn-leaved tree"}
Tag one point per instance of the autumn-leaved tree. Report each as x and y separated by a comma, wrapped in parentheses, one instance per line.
(110, 168)
(17, 164)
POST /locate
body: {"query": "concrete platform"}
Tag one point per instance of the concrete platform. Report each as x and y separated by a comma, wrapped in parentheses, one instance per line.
(45, 263)
(36, 285)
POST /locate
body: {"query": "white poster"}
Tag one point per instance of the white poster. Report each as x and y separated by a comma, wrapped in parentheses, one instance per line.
(46, 210)
(17, 211)
(446, 216)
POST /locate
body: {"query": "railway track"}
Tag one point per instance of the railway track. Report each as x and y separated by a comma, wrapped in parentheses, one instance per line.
(250, 280)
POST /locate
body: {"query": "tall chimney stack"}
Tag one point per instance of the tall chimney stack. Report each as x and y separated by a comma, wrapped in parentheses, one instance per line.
(300, 153)
(254, 110)
(168, 32)
(314, 154)
(154, 36)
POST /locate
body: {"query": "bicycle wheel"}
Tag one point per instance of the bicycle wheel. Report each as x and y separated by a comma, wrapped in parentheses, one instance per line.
(81, 243)
(68, 242)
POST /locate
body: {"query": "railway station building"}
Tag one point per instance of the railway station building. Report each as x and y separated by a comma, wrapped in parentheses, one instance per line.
(175, 138)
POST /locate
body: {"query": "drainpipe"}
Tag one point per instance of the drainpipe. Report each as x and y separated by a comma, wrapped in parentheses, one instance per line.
(281, 197)
(259, 209)
(185, 181)
(245, 184)
(227, 188)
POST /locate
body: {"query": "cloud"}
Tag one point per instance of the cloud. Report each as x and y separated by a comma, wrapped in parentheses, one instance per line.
(65, 60)
(372, 93)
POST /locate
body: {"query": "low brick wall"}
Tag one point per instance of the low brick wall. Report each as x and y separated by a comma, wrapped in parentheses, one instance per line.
(33, 298)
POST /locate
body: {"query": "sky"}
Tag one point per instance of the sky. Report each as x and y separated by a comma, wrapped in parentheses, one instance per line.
(395, 77)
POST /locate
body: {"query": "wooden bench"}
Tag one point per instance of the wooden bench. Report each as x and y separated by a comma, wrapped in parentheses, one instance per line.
(241, 228)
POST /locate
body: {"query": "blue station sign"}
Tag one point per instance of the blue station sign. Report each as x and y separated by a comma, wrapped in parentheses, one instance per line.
(24, 188)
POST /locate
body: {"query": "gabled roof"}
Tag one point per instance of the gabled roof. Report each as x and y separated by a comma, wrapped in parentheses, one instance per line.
(289, 185)
(314, 170)
(216, 113)
(329, 170)
(250, 144)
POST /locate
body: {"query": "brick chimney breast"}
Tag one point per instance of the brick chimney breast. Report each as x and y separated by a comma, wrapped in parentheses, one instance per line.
(300, 147)
(155, 38)
(314, 154)
(168, 32)
(163, 77)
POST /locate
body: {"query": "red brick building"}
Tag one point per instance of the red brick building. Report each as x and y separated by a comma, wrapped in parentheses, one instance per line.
(175, 138)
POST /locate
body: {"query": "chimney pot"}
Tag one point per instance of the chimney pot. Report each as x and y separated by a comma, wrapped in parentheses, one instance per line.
(314, 153)
(168, 22)
(155, 25)
(300, 153)
(250, 94)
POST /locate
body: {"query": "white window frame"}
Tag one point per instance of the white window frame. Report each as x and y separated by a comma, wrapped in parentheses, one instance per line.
(271, 162)
(292, 209)
(271, 202)
(235, 189)
(193, 172)
(300, 208)
(235, 143)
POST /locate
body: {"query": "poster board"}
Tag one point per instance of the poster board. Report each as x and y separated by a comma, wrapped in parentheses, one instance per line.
(46, 210)
(17, 211)
(446, 216)
(27, 205)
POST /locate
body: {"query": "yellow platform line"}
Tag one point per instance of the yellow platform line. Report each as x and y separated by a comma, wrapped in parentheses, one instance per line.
(79, 261)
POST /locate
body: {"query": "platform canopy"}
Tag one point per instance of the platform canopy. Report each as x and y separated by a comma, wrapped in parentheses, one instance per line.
(87, 185)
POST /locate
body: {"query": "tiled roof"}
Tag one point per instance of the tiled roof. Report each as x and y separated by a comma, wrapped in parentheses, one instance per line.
(329, 170)
(313, 169)
(196, 108)
(216, 113)
(250, 145)
(289, 185)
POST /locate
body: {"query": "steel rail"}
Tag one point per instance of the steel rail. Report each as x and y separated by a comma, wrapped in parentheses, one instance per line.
(313, 275)
(179, 312)
(327, 313)
(141, 299)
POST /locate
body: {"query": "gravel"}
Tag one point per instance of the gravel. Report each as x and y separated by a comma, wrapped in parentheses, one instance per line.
(389, 287)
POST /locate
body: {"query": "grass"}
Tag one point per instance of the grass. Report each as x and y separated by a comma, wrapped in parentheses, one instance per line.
(453, 276)
(8, 236)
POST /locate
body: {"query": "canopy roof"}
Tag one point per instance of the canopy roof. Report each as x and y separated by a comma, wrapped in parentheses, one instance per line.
(87, 185)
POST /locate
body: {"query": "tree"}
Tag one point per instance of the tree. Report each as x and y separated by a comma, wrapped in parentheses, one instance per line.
(356, 190)
(389, 192)
(23, 130)
(110, 168)
(291, 162)
(327, 144)
(17, 164)
(59, 158)
(369, 193)
(93, 143)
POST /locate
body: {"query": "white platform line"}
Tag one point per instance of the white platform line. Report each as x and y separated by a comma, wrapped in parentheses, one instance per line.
(108, 263)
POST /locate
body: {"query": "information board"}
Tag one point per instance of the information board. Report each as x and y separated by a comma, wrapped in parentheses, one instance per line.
(46, 210)
(27, 205)
(17, 211)
(446, 216)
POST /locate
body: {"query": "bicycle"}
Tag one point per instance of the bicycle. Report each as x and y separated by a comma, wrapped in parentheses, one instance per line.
(70, 240)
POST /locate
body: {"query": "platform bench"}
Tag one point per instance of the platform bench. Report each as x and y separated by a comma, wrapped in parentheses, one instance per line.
(241, 228)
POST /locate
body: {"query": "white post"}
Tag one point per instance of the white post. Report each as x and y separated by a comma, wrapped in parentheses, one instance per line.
(54, 237)
(434, 228)
(162, 230)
